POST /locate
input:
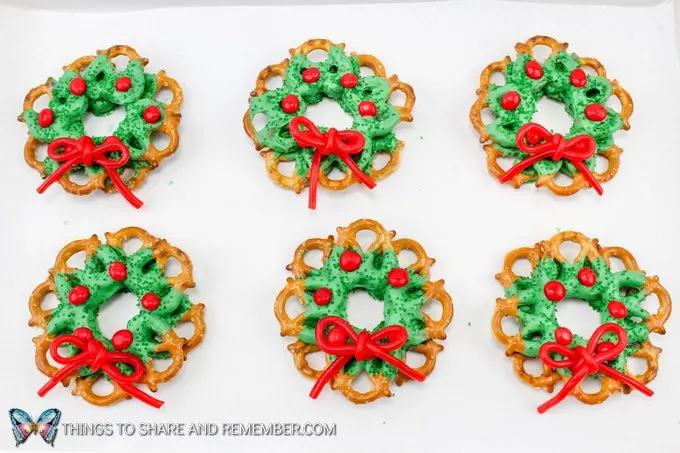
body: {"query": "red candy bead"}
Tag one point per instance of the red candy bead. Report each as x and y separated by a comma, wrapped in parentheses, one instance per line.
(350, 261)
(83, 333)
(150, 301)
(123, 84)
(117, 271)
(349, 80)
(290, 104)
(554, 291)
(617, 309)
(122, 339)
(311, 75)
(398, 277)
(77, 86)
(563, 336)
(587, 276)
(79, 295)
(578, 78)
(367, 108)
(596, 112)
(322, 296)
(605, 346)
(510, 100)
(45, 117)
(152, 114)
(533, 138)
(337, 336)
(533, 70)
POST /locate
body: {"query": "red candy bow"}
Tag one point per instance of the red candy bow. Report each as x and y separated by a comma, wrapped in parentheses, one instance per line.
(94, 353)
(83, 151)
(341, 143)
(589, 360)
(364, 346)
(576, 150)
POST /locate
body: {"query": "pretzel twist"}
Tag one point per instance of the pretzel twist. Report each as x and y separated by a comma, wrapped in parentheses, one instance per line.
(429, 349)
(384, 240)
(494, 154)
(589, 248)
(176, 346)
(85, 388)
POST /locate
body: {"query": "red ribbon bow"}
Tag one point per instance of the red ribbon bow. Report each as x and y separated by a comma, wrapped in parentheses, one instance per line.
(341, 143)
(576, 150)
(83, 151)
(94, 353)
(585, 361)
(364, 346)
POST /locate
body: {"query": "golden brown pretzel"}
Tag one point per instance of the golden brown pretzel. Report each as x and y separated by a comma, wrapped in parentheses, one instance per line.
(175, 346)
(507, 307)
(493, 153)
(384, 242)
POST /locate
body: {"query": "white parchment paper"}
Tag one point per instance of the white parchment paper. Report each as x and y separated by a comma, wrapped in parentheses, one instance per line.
(214, 200)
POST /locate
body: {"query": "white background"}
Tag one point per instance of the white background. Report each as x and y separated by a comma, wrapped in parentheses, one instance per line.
(214, 200)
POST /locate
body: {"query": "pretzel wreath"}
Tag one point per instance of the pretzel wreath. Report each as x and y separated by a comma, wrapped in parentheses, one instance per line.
(125, 359)
(323, 325)
(539, 155)
(92, 84)
(317, 150)
(616, 296)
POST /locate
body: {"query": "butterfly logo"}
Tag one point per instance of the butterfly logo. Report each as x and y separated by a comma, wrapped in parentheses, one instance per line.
(23, 425)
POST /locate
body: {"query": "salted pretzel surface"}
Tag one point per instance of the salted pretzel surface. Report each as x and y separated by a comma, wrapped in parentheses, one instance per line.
(153, 155)
(176, 346)
(272, 162)
(494, 154)
(295, 287)
(590, 249)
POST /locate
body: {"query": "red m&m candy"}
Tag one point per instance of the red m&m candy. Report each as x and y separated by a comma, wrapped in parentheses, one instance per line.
(77, 86)
(510, 100)
(398, 277)
(322, 296)
(79, 295)
(122, 339)
(311, 75)
(350, 261)
(290, 104)
(554, 291)
(533, 70)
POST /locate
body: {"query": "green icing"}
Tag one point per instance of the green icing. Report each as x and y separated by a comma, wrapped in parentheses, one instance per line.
(377, 130)
(554, 84)
(401, 305)
(144, 275)
(536, 313)
(100, 99)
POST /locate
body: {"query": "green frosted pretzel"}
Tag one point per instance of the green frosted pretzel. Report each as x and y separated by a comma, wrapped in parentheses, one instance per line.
(149, 335)
(93, 85)
(366, 99)
(346, 268)
(616, 297)
(561, 78)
